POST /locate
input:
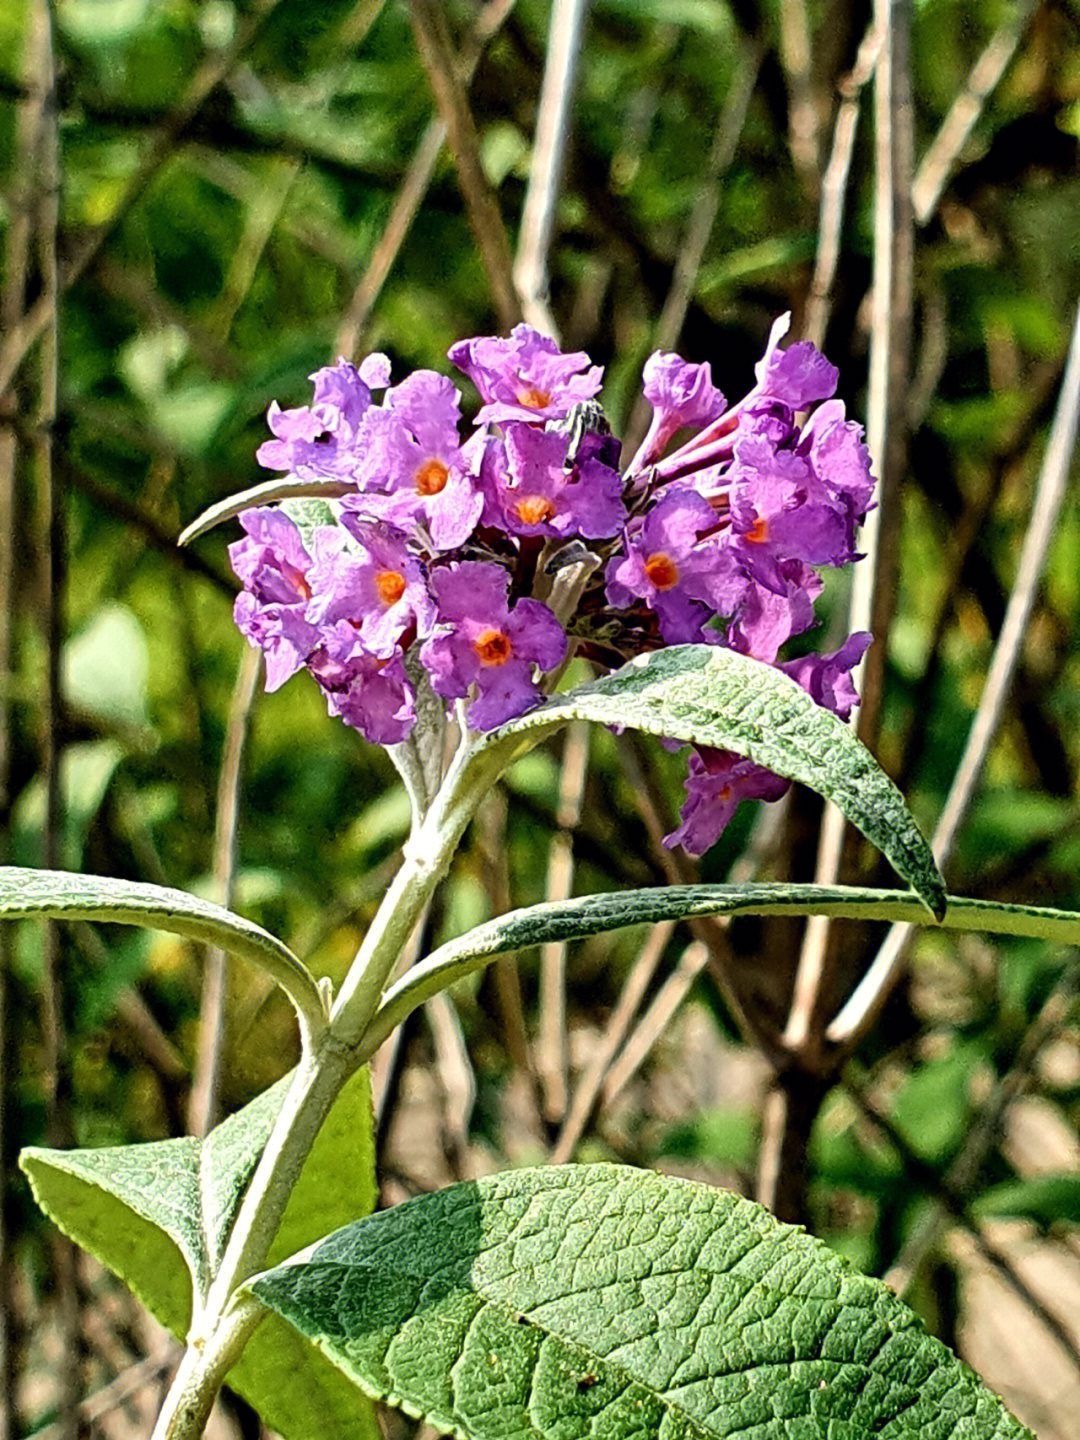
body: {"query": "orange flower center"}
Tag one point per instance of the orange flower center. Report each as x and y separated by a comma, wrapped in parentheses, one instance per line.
(493, 647)
(534, 509)
(533, 399)
(391, 586)
(662, 570)
(430, 477)
(758, 532)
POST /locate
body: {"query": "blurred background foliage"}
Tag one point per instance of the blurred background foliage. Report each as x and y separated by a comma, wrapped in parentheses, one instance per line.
(230, 180)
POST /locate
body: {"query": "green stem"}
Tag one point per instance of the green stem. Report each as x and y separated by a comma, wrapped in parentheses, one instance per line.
(427, 858)
(217, 1336)
(201, 1373)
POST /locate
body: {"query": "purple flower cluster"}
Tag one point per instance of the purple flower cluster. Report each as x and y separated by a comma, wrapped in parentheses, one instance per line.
(444, 555)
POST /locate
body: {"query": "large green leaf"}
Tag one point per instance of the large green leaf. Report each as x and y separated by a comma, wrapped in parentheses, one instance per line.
(63, 895)
(158, 1215)
(559, 920)
(586, 1301)
(711, 696)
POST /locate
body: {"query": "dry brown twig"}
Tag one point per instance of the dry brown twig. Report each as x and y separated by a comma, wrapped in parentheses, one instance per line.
(695, 239)
(834, 187)
(551, 1056)
(13, 288)
(485, 219)
(944, 150)
(410, 195)
(966, 1167)
(204, 1103)
(590, 1084)
(890, 339)
(548, 161)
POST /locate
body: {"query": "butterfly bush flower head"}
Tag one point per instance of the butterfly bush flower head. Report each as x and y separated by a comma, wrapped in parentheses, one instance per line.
(472, 560)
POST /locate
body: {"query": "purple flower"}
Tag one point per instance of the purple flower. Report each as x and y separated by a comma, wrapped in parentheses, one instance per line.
(270, 611)
(833, 445)
(532, 494)
(412, 469)
(319, 441)
(525, 377)
(828, 677)
(674, 562)
(681, 395)
(482, 641)
(378, 587)
(716, 782)
(797, 376)
(371, 693)
(768, 617)
(781, 510)
(718, 779)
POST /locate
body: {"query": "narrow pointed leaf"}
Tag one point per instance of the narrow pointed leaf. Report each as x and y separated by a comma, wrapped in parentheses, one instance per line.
(707, 695)
(269, 493)
(64, 895)
(158, 1215)
(585, 1301)
(562, 920)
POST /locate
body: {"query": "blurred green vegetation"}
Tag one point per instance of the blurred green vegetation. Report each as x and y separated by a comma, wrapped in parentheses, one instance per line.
(232, 226)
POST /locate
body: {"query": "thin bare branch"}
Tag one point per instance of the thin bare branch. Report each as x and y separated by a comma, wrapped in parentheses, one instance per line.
(944, 150)
(12, 298)
(138, 1376)
(865, 1003)
(591, 1083)
(796, 56)
(691, 252)
(145, 524)
(834, 187)
(485, 218)
(965, 1169)
(656, 1019)
(205, 1101)
(51, 581)
(506, 974)
(954, 1203)
(548, 160)
(456, 1077)
(890, 340)
(410, 195)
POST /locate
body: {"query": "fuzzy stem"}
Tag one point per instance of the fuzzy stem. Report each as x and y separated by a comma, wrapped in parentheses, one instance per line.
(201, 1373)
(217, 1335)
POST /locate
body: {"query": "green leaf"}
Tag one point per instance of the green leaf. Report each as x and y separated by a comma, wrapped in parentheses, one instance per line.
(934, 1106)
(63, 895)
(158, 1215)
(596, 1300)
(185, 1192)
(304, 514)
(104, 668)
(86, 772)
(559, 920)
(1044, 1199)
(711, 696)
